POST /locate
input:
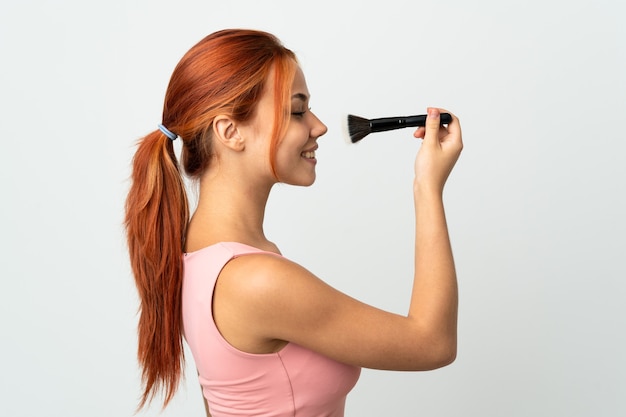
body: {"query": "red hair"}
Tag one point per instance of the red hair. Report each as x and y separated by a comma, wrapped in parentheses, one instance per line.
(225, 73)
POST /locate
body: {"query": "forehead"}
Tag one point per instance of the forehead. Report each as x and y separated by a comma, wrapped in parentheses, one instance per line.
(299, 87)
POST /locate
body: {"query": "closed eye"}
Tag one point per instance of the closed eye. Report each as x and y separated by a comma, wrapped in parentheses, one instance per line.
(300, 113)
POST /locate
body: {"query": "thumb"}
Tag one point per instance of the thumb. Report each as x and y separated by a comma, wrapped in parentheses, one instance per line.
(432, 121)
(432, 125)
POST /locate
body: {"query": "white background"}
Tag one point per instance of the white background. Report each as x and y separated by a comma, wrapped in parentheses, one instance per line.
(536, 204)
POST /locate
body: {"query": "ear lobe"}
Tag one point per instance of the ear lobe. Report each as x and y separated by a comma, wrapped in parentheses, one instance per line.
(225, 130)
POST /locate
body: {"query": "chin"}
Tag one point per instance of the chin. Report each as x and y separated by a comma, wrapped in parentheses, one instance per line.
(300, 182)
(310, 181)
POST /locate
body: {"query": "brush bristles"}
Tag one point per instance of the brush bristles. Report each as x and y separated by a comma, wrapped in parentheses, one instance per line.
(358, 128)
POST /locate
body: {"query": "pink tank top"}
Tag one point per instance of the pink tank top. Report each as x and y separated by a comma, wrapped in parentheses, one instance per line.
(292, 382)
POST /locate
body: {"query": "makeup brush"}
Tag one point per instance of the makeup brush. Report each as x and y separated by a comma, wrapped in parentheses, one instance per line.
(359, 127)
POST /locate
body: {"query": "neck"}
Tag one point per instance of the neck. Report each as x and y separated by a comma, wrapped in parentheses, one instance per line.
(230, 209)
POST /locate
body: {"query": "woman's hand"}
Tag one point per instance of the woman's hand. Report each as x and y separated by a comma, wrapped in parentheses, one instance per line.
(440, 150)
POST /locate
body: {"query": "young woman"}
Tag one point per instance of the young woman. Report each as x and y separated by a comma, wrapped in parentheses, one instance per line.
(268, 337)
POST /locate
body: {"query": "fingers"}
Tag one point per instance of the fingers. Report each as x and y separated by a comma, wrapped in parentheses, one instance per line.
(454, 128)
(452, 139)
(435, 129)
(440, 149)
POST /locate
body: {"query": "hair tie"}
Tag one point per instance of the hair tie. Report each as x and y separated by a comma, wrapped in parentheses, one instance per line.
(167, 132)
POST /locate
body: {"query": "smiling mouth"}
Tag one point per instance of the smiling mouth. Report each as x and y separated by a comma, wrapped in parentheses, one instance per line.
(308, 154)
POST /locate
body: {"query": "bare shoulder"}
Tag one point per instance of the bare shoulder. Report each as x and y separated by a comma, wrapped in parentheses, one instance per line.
(263, 271)
(265, 281)
(268, 281)
(249, 293)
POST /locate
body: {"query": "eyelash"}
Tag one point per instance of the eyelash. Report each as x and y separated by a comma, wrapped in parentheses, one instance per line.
(300, 113)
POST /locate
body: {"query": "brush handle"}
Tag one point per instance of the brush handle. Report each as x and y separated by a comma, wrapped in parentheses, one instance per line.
(391, 123)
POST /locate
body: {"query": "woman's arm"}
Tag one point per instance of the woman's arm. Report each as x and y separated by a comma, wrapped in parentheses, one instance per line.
(435, 296)
(269, 298)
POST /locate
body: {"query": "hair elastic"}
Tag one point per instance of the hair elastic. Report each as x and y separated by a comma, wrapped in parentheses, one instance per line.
(167, 132)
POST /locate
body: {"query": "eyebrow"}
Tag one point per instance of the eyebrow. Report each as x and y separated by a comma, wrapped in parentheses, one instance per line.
(300, 96)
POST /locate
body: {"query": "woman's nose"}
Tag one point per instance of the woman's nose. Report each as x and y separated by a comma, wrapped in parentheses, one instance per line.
(319, 128)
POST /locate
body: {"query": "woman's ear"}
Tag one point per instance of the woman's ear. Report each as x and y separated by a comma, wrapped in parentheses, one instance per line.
(226, 132)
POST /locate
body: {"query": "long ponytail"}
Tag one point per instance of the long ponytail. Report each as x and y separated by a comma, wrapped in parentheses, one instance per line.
(156, 219)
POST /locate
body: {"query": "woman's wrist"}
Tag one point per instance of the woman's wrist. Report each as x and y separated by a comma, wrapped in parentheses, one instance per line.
(422, 189)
